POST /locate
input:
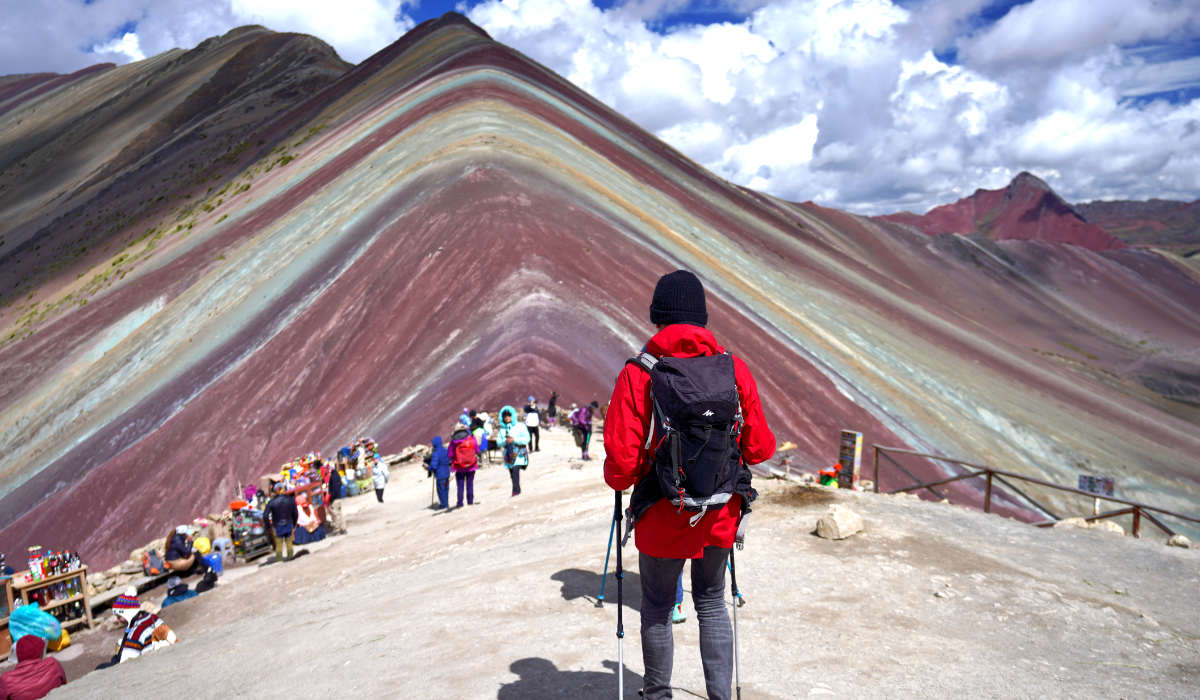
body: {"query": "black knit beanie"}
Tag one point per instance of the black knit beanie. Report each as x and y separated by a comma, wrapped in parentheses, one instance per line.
(678, 298)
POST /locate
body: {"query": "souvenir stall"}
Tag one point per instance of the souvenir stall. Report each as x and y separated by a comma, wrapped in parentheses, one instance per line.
(247, 532)
(57, 582)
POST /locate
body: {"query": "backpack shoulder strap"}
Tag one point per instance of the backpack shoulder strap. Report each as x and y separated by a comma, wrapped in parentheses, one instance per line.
(644, 360)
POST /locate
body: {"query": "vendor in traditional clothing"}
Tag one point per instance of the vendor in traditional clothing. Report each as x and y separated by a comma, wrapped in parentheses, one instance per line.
(144, 631)
(34, 675)
(308, 524)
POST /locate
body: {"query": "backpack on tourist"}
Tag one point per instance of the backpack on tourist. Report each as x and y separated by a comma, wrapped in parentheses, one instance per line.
(464, 452)
(696, 424)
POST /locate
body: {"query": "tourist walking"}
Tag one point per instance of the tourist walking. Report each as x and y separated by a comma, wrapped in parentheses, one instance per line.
(439, 469)
(379, 476)
(582, 422)
(532, 420)
(551, 409)
(667, 534)
(514, 437)
(464, 461)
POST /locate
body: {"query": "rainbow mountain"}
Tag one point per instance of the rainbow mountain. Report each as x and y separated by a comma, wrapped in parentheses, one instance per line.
(214, 260)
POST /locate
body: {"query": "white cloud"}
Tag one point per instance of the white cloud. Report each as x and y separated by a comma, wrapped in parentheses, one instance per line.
(127, 46)
(66, 35)
(1052, 31)
(357, 28)
(843, 101)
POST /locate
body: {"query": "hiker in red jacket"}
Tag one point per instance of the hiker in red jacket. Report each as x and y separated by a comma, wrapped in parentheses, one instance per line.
(665, 535)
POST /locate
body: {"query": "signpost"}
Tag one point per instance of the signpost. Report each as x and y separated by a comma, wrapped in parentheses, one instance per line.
(850, 457)
(1099, 485)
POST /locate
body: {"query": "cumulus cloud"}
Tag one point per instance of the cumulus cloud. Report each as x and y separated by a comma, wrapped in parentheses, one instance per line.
(846, 102)
(66, 35)
(126, 48)
(1053, 31)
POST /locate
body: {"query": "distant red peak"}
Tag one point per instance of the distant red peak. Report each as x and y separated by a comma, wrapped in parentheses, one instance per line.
(1026, 209)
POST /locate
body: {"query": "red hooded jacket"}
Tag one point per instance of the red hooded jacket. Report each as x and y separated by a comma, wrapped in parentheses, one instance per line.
(663, 531)
(33, 676)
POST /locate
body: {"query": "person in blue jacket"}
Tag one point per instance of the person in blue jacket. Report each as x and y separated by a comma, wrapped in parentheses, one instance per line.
(514, 440)
(439, 468)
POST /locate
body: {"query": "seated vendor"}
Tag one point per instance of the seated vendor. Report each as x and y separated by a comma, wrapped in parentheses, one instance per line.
(144, 631)
(180, 557)
(309, 525)
(31, 620)
(34, 675)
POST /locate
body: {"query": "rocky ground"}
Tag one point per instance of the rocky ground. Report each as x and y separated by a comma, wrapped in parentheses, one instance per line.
(500, 600)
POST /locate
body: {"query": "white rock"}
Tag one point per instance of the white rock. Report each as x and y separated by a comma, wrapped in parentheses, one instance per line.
(1109, 526)
(838, 523)
(1072, 522)
(1179, 541)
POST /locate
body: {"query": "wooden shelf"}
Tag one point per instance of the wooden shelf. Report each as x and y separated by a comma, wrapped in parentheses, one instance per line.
(64, 601)
(20, 584)
(24, 589)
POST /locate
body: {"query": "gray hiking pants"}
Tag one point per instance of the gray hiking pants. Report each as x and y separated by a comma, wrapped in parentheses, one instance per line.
(659, 577)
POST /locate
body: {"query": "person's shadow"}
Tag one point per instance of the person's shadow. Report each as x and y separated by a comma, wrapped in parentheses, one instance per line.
(580, 583)
(540, 678)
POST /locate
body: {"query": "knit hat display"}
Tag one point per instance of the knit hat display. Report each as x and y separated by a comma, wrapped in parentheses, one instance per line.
(678, 298)
(125, 601)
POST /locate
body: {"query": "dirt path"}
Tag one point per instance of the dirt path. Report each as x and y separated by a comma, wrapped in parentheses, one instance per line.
(499, 600)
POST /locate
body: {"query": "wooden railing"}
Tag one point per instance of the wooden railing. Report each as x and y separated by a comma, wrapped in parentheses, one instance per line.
(1137, 510)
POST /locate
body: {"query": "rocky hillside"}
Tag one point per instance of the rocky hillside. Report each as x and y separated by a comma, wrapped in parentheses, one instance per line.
(1170, 225)
(1027, 210)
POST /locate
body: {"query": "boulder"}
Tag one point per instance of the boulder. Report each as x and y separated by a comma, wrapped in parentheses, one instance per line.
(1072, 522)
(1108, 526)
(1179, 541)
(839, 522)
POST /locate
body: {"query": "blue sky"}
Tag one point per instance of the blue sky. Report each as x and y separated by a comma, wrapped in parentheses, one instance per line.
(867, 105)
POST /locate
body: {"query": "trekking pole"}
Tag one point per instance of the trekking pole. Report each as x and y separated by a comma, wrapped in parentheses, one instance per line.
(737, 664)
(620, 603)
(607, 550)
(739, 598)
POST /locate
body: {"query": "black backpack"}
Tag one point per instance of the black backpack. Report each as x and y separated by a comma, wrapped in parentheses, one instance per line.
(698, 413)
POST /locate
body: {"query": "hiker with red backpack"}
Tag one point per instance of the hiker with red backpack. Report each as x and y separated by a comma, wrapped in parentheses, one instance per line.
(686, 455)
(464, 460)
